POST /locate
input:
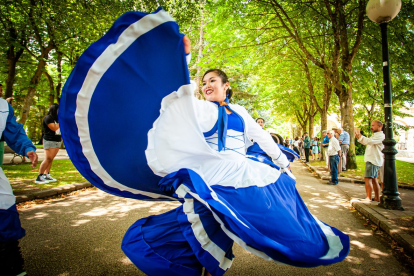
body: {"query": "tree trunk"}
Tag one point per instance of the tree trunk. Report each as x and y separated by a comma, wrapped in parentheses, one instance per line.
(33, 84)
(326, 100)
(347, 118)
(51, 87)
(324, 120)
(59, 69)
(311, 124)
(12, 59)
(305, 126)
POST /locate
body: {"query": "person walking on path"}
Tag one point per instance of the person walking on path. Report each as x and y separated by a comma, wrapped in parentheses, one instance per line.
(344, 141)
(306, 146)
(11, 260)
(52, 141)
(324, 147)
(334, 152)
(373, 158)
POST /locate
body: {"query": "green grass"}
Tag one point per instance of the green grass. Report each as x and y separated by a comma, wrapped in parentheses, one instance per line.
(39, 146)
(22, 176)
(404, 170)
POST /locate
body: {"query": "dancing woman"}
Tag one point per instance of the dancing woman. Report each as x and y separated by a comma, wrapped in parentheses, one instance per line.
(226, 196)
(198, 149)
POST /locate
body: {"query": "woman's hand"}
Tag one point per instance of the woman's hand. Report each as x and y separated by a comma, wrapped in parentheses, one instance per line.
(288, 171)
(187, 45)
(33, 157)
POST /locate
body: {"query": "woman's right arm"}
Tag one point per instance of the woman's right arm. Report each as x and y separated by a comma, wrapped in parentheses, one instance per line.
(51, 123)
(53, 126)
(265, 140)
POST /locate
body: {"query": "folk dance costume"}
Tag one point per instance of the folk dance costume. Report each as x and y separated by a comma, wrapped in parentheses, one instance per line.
(196, 151)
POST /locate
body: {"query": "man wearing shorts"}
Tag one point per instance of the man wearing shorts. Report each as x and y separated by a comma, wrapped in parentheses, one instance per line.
(373, 158)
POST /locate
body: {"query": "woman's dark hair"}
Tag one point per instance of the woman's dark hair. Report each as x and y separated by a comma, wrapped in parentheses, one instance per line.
(260, 119)
(53, 111)
(223, 78)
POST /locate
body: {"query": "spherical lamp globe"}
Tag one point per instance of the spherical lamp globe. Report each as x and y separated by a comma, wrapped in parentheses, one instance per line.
(381, 11)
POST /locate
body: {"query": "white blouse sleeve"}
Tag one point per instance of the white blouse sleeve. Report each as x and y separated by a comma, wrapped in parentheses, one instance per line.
(265, 140)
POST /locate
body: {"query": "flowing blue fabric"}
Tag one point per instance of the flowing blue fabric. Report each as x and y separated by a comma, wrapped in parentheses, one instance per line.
(222, 125)
(290, 153)
(132, 80)
(145, 245)
(255, 151)
(300, 242)
(10, 228)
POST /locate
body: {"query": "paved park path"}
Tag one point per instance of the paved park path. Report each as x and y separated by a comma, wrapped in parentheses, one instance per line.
(82, 234)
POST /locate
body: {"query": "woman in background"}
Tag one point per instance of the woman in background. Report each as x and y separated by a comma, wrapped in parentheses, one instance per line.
(52, 141)
(315, 148)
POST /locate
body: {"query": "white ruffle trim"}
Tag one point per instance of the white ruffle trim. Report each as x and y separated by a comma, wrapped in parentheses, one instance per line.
(334, 242)
(200, 233)
(152, 159)
(183, 190)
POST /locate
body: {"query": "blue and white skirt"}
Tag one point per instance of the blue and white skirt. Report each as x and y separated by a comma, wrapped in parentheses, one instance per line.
(272, 222)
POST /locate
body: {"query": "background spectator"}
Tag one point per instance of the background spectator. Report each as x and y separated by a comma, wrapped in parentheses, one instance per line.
(334, 152)
(373, 158)
(306, 146)
(52, 141)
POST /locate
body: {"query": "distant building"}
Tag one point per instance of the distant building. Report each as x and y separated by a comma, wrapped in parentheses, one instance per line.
(405, 139)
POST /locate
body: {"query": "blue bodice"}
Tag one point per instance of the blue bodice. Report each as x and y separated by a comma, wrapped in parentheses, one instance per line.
(234, 138)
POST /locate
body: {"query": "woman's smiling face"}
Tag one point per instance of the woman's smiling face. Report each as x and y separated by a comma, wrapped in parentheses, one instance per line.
(214, 89)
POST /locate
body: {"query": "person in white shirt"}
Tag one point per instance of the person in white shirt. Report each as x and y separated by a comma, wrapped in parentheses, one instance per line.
(373, 158)
(334, 153)
(296, 145)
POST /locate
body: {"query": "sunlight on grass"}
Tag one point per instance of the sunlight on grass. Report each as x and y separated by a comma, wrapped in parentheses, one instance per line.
(404, 170)
(22, 176)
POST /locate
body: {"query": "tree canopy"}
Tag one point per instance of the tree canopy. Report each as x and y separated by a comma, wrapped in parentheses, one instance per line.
(291, 62)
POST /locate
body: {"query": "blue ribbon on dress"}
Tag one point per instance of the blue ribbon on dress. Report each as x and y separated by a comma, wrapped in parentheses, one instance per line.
(222, 124)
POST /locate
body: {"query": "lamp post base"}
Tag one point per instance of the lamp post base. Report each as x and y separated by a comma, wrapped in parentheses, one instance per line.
(391, 202)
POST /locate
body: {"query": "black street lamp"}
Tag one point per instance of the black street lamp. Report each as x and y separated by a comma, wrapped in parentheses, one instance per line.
(382, 12)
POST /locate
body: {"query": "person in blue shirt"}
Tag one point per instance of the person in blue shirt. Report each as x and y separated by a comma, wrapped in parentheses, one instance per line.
(344, 140)
(306, 146)
(11, 260)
